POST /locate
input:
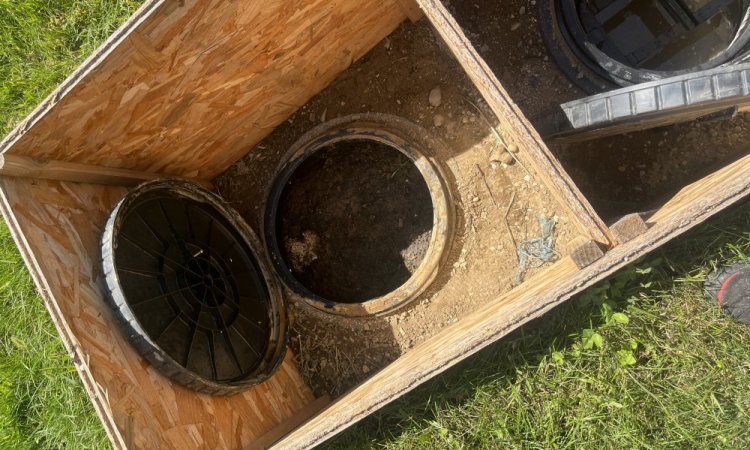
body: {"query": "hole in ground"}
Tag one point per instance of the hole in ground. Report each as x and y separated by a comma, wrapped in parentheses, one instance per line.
(354, 221)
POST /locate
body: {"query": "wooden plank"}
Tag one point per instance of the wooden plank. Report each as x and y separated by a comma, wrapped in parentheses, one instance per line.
(187, 87)
(532, 299)
(628, 227)
(515, 127)
(22, 166)
(57, 226)
(699, 196)
(411, 9)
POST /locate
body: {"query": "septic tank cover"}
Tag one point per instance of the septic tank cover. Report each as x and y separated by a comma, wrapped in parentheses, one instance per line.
(190, 288)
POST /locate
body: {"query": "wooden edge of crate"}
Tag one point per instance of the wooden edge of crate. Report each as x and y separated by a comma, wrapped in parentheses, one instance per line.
(302, 416)
(516, 127)
(22, 166)
(66, 335)
(547, 289)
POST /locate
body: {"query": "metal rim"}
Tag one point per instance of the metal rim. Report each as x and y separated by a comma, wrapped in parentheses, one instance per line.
(225, 316)
(403, 136)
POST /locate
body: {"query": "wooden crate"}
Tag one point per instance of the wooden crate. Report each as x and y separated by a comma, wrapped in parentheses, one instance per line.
(185, 88)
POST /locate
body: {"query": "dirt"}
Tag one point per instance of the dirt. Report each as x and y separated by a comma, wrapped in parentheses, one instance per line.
(400, 76)
(635, 172)
(370, 213)
(412, 75)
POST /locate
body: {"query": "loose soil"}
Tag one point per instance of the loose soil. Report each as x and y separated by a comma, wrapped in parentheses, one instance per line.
(398, 77)
(619, 175)
(355, 221)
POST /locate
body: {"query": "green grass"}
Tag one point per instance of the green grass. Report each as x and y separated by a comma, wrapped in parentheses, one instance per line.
(42, 41)
(642, 360)
(42, 401)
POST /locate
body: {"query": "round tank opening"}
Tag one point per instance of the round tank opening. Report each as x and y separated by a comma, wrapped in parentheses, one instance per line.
(358, 219)
(354, 221)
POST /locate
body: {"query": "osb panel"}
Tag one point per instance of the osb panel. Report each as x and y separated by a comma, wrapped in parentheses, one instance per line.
(190, 86)
(58, 226)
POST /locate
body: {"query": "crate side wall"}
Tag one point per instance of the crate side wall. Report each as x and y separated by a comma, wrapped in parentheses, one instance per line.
(191, 87)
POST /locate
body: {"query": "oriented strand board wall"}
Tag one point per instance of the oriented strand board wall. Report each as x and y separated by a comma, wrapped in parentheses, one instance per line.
(58, 226)
(189, 86)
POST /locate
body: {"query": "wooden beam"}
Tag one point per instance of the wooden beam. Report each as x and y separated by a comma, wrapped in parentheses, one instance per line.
(22, 166)
(411, 9)
(515, 127)
(693, 200)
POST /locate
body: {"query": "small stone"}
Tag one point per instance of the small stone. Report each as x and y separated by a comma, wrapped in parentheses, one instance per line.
(622, 168)
(436, 97)
(526, 178)
(515, 26)
(513, 148)
(507, 159)
(438, 120)
(495, 154)
(522, 11)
